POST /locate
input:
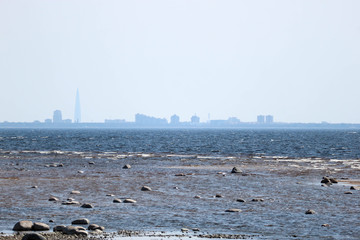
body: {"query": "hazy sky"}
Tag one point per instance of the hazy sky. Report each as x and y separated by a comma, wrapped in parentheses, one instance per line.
(296, 60)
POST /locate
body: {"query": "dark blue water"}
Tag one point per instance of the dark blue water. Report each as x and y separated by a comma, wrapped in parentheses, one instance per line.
(339, 144)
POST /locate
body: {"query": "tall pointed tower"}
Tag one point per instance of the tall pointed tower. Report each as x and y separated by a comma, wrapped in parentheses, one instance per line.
(77, 115)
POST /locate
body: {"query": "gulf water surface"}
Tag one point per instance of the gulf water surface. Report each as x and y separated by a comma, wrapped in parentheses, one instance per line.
(282, 169)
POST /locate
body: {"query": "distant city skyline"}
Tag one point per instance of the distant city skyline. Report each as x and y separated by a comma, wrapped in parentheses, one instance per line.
(296, 60)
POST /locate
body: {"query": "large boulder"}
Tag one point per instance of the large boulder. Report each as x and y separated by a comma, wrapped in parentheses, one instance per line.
(33, 236)
(38, 226)
(23, 226)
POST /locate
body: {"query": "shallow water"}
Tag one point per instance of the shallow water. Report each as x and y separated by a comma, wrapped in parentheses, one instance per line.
(287, 180)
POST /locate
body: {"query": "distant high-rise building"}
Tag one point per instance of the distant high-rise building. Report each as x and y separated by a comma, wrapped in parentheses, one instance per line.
(195, 119)
(261, 119)
(77, 115)
(175, 119)
(57, 117)
(269, 119)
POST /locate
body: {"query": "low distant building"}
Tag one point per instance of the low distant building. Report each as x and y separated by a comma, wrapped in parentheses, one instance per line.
(141, 119)
(195, 119)
(175, 119)
(260, 119)
(114, 121)
(233, 121)
(269, 119)
(48, 120)
(57, 117)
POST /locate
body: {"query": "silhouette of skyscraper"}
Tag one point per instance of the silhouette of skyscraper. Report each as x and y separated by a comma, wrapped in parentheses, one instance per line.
(77, 115)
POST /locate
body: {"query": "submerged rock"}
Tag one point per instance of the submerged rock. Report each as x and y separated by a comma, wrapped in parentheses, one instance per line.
(23, 226)
(257, 200)
(233, 210)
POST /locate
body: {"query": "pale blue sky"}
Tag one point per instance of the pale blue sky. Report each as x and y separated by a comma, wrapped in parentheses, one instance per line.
(296, 60)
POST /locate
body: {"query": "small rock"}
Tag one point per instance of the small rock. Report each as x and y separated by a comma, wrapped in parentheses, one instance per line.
(128, 200)
(197, 196)
(196, 229)
(23, 226)
(257, 200)
(353, 188)
(348, 193)
(233, 210)
(34, 187)
(333, 180)
(80, 171)
(184, 230)
(236, 170)
(33, 236)
(325, 180)
(310, 211)
(70, 203)
(145, 188)
(325, 225)
(38, 226)
(219, 196)
(91, 163)
(54, 199)
(81, 221)
(180, 174)
(51, 221)
(117, 200)
(175, 187)
(87, 205)
(127, 166)
(240, 200)
(75, 192)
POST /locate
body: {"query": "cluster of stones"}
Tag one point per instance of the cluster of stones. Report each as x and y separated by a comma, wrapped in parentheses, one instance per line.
(71, 201)
(68, 230)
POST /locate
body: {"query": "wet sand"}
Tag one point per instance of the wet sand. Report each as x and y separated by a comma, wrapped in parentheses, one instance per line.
(288, 187)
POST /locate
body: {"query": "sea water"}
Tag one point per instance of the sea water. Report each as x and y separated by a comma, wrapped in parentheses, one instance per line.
(283, 167)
